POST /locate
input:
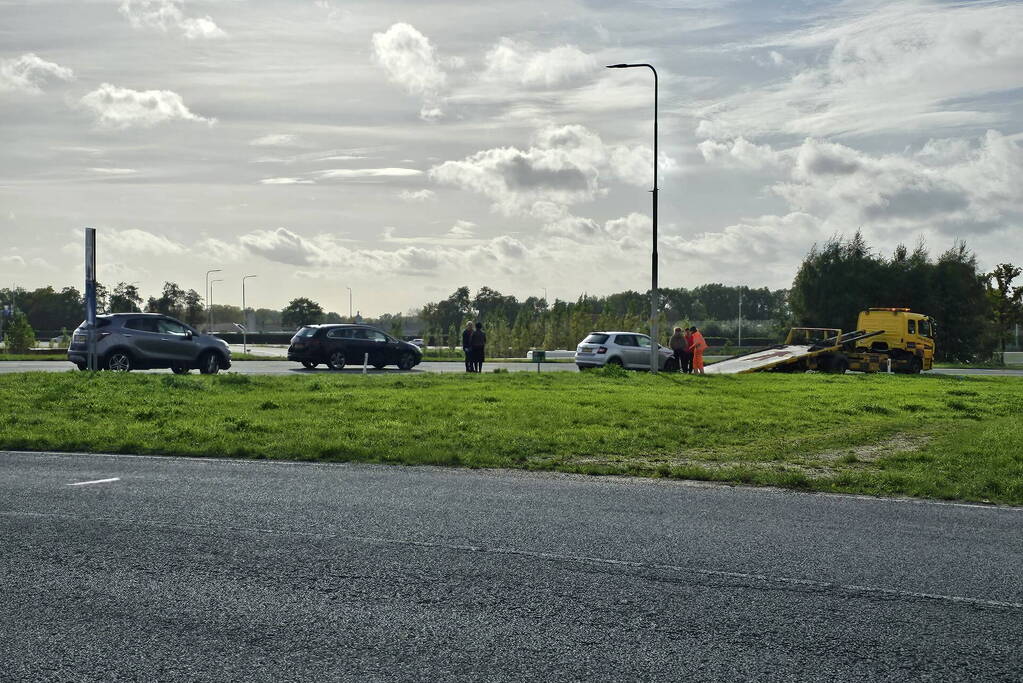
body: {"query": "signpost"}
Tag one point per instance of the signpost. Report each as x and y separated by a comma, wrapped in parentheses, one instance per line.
(90, 297)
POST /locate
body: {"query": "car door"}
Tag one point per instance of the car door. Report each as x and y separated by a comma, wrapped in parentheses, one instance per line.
(142, 337)
(643, 353)
(175, 341)
(380, 349)
(628, 347)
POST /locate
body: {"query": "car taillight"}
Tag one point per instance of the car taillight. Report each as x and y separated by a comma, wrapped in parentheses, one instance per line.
(602, 349)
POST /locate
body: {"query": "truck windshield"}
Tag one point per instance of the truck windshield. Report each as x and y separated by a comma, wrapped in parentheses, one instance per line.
(925, 328)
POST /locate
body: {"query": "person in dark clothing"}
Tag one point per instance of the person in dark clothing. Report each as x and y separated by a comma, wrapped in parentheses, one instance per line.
(688, 334)
(467, 346)
(679, 348)
(478, 344)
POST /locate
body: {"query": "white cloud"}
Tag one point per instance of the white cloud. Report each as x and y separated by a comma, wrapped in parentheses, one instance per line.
(113, 171)
(519, 62)
(565, 165)
(28, 72)
(13, 261)
(167, 14)
(274, 140)
(409, 59)
(740, 153)
(286, 181)
(902, 66)
(423, 195)
(123, 107)
(356, 173)
(135, 241)
(462, 230)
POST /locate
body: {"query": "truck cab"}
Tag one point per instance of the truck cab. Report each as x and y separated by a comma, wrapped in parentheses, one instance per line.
(906, 338)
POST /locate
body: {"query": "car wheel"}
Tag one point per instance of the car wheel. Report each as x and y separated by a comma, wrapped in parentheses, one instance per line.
(308, 365)
(614, 361)
(118, 361)
(406, 362)
(180, 370)
(336, 360)
(82, 366)
(209, 364)
(379, 366)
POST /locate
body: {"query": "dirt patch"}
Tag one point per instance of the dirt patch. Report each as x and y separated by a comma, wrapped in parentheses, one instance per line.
(898, 443)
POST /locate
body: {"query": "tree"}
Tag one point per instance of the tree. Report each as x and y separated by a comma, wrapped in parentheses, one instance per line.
(194, 311)
(125, 299)
(20, 337)
(1006, 301)
(301, 311)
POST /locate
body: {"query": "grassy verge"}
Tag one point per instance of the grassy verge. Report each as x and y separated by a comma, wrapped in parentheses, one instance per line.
(933, 436)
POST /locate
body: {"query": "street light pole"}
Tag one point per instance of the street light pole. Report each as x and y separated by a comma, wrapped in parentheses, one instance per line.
(210, 331)
(740, 316)
(653, 255)
(350, 313)
(245, 316)
(209, 305)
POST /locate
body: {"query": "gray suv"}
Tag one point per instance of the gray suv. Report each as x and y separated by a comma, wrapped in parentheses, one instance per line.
(136, 341)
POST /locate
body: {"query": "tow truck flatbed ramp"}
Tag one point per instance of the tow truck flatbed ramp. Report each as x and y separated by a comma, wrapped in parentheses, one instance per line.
(784, 354)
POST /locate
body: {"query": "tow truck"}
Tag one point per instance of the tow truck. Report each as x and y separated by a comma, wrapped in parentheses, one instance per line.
(886, 340)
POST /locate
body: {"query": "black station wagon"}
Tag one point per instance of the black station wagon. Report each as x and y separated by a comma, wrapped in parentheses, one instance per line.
(340, 345)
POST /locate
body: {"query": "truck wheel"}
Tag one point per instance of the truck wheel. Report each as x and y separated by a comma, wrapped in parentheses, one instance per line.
(915, 366)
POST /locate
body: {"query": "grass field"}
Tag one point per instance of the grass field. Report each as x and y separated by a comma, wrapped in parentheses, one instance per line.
(933, 436)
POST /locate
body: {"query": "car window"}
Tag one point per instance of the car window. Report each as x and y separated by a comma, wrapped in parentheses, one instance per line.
(340, 333)
(625, 340)
(912, 327)
(171, 327)
(142, 324)
(643, 341)
(377, 336)
(596, 339)
(306, 332)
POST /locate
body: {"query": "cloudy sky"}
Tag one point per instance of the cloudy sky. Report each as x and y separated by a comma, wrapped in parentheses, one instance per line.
(405, 148)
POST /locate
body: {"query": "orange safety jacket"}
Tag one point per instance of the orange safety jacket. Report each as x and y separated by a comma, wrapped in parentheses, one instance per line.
(698, 343)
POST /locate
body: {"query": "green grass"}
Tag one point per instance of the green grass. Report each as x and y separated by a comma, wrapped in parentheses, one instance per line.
(933, 436)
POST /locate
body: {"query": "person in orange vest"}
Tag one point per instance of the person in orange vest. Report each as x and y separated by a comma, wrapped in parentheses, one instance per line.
(698, 346)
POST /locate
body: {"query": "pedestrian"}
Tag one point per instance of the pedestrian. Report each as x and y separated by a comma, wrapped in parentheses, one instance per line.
(688, 368)
(698, 347)
(467, 345)
(478, 343)
(679, 348)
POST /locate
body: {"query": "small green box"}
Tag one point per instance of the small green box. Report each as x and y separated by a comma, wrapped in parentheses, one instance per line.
(539, 356)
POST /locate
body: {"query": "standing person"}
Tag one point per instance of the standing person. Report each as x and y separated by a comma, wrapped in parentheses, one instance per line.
(679, 348)
(478, 344)
(699, 346)
(688, 335)
(467, 346)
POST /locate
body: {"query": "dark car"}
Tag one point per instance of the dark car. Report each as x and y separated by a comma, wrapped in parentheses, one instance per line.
(134, 341)
(340, 345)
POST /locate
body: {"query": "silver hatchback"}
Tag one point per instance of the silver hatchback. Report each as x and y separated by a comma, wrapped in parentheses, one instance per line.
(627, 349)
(135, 341)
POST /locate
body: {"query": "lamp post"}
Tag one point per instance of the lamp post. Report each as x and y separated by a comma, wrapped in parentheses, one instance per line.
(740, 317)
(653, 257)
(350, 313)
(245, 316)
(209, 311)
(210, 331)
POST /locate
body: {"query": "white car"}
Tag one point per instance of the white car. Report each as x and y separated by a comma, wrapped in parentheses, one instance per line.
(628, 349)
(419, 342)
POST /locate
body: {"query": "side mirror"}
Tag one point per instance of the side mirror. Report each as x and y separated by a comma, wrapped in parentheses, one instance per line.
(188, 335)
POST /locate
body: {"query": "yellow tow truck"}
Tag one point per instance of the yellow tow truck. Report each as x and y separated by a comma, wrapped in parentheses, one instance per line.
(886, 339)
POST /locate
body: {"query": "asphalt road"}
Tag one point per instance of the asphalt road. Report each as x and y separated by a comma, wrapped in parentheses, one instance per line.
(179, 569)
(283, 367)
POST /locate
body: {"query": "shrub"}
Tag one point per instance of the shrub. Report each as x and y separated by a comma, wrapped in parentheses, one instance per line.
(20, 337)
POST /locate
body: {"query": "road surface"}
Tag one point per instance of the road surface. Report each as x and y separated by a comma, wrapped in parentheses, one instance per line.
(150, 568)
(283, 367)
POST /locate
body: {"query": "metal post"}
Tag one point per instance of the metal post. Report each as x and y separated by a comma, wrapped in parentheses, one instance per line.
(654, 354)
(209, 306)
(245, 316)
(210, 330)
(740, 317)
(350, 310)
(90, 298)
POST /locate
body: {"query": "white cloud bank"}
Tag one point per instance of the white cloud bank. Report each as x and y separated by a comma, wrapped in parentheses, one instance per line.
(410, 60)
(519, 62)
(29, 72)
(123, 107)
(165, 15)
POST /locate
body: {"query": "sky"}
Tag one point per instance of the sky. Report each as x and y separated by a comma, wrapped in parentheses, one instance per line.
(403, 149)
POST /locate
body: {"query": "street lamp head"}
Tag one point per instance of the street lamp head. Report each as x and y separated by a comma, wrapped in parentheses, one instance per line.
(618, 66)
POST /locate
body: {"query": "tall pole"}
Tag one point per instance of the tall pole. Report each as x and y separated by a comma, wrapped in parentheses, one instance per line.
(740, 316)
(245, 316)
(209, 304)
(350, 313)
(210, 330)
(654, 308)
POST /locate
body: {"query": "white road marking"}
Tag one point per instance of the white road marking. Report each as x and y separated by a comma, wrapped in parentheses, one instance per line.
(95, 481)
